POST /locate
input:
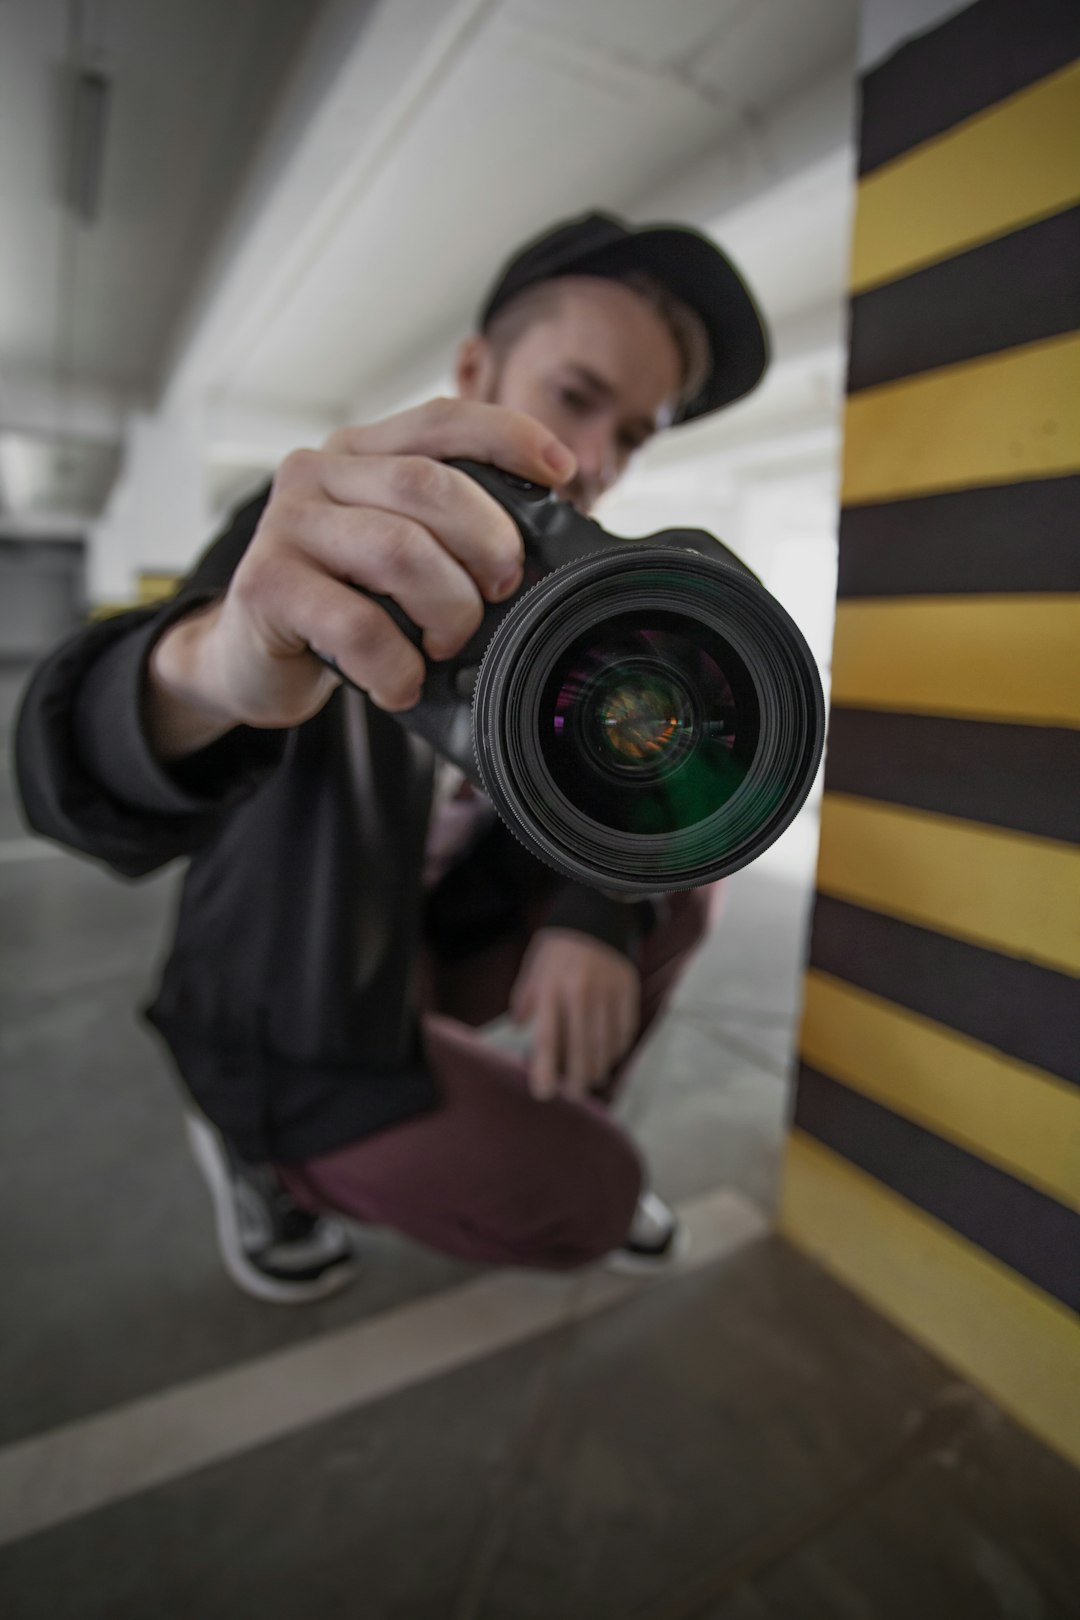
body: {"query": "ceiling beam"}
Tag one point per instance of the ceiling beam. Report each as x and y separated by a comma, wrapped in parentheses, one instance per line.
(32, 404)
(365, 72)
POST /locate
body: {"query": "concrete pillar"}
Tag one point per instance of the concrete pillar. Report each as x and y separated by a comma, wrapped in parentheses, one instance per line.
(934, 1162)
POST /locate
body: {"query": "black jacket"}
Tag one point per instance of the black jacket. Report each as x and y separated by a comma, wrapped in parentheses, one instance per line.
(285, 999)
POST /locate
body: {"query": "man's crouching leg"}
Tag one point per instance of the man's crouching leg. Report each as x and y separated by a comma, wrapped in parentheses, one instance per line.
(492, 1175)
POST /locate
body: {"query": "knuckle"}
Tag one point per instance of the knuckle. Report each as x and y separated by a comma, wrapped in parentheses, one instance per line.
(369, 628)
(284, 517)
(263, 576)
(299, 466)
(267, 592)
(397, 546)
(417, 479)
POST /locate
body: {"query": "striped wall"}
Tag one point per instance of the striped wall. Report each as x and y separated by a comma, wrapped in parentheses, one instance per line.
(934, 1159)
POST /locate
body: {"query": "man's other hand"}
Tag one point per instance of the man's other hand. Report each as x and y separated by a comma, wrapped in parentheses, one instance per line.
(583, 999)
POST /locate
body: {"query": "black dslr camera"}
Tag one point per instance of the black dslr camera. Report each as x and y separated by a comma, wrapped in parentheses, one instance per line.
(643, 715)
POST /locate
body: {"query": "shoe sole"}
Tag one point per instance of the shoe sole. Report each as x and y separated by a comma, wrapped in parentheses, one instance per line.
(246, 1276)
(627, 1264)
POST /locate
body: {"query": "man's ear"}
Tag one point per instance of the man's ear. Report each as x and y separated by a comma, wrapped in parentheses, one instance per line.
(475, 371)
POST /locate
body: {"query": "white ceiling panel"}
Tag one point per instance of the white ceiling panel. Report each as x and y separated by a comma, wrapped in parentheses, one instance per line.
(508, 141)
(635, 30)
(391, 153)
(772, 48)
(553, 108)
(191, 86)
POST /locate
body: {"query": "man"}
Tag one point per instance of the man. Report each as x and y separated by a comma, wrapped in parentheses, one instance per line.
(336, 947)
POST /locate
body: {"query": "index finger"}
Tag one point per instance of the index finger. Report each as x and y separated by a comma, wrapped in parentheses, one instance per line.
(468, 428)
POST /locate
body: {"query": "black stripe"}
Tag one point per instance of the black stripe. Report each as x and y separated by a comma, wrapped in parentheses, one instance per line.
(1026, 778)
(1001, 538)
(1018, 289)
(983, 54)
(1026, 1011)
(1030, 1232)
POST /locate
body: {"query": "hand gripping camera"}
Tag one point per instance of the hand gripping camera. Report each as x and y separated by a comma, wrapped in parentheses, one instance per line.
(643, 715)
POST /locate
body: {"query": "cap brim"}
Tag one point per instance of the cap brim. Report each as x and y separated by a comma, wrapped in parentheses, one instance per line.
(703, 277)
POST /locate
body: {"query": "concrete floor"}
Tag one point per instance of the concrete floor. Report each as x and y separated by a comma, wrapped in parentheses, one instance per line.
(742, 1441)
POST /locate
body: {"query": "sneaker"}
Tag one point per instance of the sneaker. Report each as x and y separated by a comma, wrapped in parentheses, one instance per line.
(272, 1249)
(657, 1240)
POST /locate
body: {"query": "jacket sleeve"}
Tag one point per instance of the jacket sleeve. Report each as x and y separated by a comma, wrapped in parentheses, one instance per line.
(84, 768)
(620, 923)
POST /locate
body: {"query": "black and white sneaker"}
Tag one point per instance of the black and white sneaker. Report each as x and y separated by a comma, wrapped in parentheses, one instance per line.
(272, 1249)
(657, 1240)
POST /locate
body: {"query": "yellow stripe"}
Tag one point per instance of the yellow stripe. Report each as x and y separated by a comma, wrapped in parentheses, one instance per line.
(155, 587)
(1012, 658)
(1000, 419)
(1014, 163)
(1012, 1113)
(1004, 890)
(1016, 1343)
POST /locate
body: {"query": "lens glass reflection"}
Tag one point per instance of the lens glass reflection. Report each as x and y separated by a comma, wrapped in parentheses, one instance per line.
(649, 723)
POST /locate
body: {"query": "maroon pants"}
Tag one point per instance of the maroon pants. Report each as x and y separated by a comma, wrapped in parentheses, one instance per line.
(492, 1174)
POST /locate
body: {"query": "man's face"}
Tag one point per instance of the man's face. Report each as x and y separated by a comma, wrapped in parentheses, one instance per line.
(601, 370)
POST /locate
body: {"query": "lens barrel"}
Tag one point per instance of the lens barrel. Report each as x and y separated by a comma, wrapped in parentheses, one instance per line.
(647, 719)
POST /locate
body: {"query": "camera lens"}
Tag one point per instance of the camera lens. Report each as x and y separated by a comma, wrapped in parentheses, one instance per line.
(647, 719)
(638, 719)
(640, 726)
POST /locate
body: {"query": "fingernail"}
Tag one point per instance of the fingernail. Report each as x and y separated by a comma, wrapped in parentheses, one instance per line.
(436, 648)
(561, 461)
(506, 586)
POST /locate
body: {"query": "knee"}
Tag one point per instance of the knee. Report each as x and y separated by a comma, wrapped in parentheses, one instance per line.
(592, 1204)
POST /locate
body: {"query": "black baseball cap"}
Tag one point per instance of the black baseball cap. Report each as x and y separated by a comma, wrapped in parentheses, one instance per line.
(684, 261)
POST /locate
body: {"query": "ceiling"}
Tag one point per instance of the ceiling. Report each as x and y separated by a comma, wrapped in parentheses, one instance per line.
(540, 116)
(302, 203)
(92, 307)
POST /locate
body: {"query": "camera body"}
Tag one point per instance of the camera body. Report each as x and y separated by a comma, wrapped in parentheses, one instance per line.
(554, 534)
(643, 715)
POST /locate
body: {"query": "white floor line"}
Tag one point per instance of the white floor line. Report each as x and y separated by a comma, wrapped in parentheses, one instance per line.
(53, 1477)
(26, 849)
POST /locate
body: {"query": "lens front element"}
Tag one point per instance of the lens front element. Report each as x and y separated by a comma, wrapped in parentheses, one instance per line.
(638, 719)
(647, 719)
(640, 726)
